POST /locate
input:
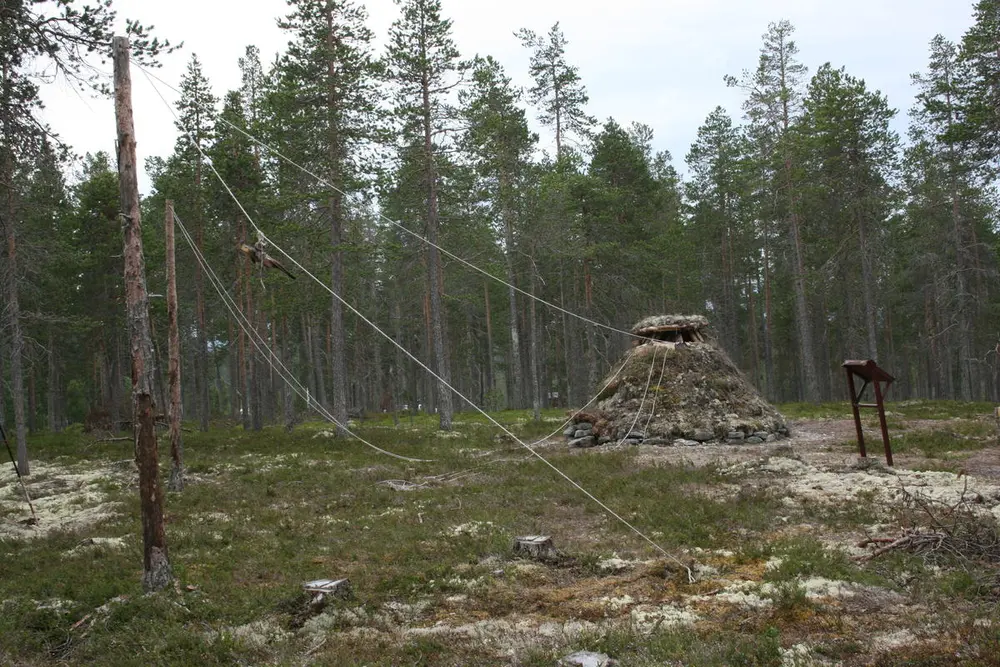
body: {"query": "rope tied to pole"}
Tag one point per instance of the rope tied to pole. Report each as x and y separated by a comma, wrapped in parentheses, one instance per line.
(263, 236)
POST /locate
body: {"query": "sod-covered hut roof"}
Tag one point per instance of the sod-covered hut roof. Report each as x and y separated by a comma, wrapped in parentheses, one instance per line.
(678, 386)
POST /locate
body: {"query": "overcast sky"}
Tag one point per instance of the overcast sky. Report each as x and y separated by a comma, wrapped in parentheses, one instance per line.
(660, 62)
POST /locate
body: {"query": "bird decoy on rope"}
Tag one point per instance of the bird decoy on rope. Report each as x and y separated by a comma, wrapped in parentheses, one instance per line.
(257, 255)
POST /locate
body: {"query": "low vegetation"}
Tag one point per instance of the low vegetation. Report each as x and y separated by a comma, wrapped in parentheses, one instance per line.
(427, 549)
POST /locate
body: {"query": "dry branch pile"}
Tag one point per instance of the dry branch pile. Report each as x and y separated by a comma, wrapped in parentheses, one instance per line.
(958, 535)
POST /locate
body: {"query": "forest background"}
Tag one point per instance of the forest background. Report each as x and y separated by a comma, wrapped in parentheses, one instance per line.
(805, 224)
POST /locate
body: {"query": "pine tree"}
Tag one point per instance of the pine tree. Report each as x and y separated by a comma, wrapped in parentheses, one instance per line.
(719, 194)
(974, 80)
(500, 145)
(849, 162)
(557, 90)
(951, 137)
(331, 62)
(774, 102)
(196, 124)
(234, 157)
(423, 64)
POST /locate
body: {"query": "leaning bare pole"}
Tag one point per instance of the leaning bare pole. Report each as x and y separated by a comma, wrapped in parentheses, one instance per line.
(156, 572)
(176, 482)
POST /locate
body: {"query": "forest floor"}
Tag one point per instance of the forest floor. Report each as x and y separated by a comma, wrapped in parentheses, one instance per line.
(800, 554)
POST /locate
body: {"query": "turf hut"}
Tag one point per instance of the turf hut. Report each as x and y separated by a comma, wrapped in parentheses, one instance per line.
(677, 387)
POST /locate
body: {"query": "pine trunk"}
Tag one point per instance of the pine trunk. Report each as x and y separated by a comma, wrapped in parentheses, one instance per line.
(338, 361)
(256, 375)
(398, 375)
(3, 370)
(306, 354)
(316, 336)
(32, 397)
(435, 271)
(490, 383)
(52, 388)
(770, 391)
(516, 380)
(286, 391)
(235, 359)
(114, 378)
(570, 397)
(806, 355)
(156, 567)
(536, 395)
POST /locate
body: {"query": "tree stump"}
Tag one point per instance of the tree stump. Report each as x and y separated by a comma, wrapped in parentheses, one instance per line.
(537, 547)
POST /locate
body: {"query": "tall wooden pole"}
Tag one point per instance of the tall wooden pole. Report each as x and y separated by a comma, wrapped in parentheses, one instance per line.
(176, 482)
(156, 572)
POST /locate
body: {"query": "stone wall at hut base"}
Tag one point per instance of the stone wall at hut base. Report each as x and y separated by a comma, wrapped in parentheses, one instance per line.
(695, 395)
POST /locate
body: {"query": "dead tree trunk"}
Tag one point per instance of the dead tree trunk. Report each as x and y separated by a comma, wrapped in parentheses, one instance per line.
(176, 482)
(156, 567)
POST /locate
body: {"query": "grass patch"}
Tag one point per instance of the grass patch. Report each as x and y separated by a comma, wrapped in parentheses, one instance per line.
(264, 512)
(939, 443)
(805, 557)
(688, 647)
(896, 410)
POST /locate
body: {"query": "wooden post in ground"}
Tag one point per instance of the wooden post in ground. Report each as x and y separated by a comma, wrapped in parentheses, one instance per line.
(856, 412)
(156, 573)
(176, 482)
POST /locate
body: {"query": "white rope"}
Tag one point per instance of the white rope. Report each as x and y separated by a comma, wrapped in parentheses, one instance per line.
(656, 395)
(596, 396)
(440, 379)
(400, 226)
(642, 401)
(284, 373)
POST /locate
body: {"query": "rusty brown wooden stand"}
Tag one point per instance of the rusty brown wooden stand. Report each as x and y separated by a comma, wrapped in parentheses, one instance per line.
(870, 372)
